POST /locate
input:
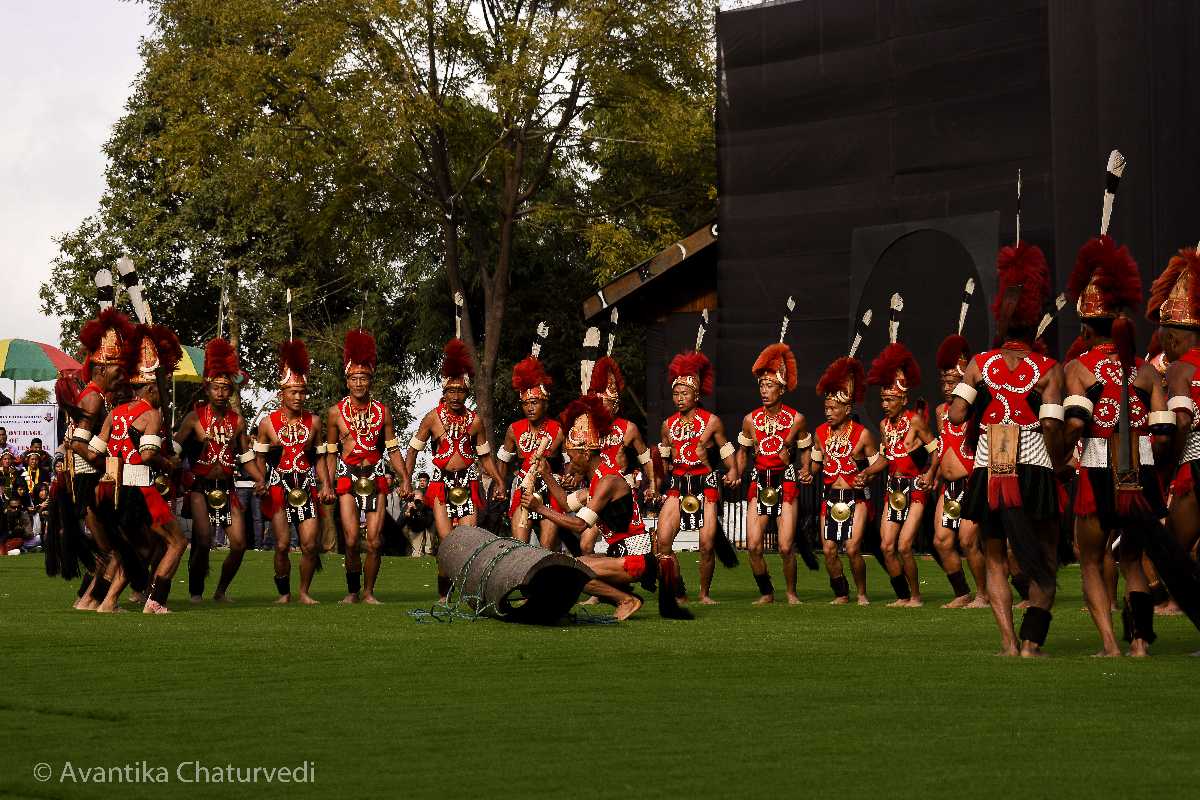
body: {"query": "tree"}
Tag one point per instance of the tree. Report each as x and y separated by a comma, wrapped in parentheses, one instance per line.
(413, 149)
(35, 395)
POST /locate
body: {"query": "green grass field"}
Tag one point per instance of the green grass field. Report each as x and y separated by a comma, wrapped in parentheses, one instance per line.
(742, 702)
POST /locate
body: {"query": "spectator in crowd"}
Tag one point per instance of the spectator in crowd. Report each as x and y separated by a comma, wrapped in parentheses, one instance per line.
(9, 476)
(417, 519)
(5, 447)
(35, 446)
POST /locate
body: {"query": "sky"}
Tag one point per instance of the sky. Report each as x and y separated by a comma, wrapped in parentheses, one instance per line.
(67, 67)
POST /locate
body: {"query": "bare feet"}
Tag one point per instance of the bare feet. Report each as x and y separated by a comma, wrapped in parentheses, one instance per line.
(86, 603)
(897, 603)
(1009, 650)
(137, 598)
(108, 608)
(591, 601)
(980, 601)
(196, 599)
(704, 600)
(1139, 649)
(370, 600)
(1031, 650)
(352, 598)
(283, 600)
(765, 600)
(627, 607)
(916, 602)
(959, 602)
(154, 607)
(305, 600)
(1168, 609)
(793, 600)
(1104, 652)
(1024, 604)
(863, 600)
(839, 601)
(222, 598)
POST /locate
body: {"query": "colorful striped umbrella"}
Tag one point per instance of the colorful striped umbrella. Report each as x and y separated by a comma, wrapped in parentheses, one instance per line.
(22, 359)
(191, 366)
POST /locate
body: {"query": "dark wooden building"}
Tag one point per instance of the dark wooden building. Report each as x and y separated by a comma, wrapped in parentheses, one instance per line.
(870, 146)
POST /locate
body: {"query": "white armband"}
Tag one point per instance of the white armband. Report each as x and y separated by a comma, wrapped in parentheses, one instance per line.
(262, 447)
(931, 446)
(150, 441)
(504, 454)
(588, 515)
(246, 457)
(98, 445)
(1181, 402)
(817, 455)
(872, 459)
(1162, 418)
(417, 444)
(805, 442)
(726, 450)
(391, 444)
(177, 447)
(967, 393)
(576, 499)
(744, 440)
(664, 450)
(81, 434)
(483, 449)
(629, 479)
(322, 449)
(1079, 401)
(1051, 411)
(645, 457)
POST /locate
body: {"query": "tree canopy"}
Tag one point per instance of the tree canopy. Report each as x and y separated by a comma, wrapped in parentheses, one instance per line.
(518, 151)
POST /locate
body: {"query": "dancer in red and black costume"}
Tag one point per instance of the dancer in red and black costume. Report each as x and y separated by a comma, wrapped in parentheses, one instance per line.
(104, 339)
(287, 452)
(1175, 305)
(134, 434)
(461, 449)
(608, 504)
(906, 442)
(526, 436)
(839, 443)
(951, 468)
(215, 443)
(687, 435)
(1112, 398)
(772, 434)
(360, 443)
(1012, 396)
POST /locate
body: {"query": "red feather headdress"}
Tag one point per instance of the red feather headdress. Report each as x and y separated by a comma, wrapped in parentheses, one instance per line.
(1023, 266)
(457, 369)
(954, 353)
(220, 360)
(1173, 295)
(844, 381)
(105, 338)
(294, 364)
(153, 347)
(1105, 279)
(607, 379)
(1077, 348)
(692, 369)
(530, 380)
(358, 352)
(778, 363)
(895, 370)
(586, 420)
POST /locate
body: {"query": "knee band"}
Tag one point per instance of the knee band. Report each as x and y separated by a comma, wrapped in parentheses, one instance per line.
(900, 587)
(160, 589)
(100, 587)
(958, 582)
(1035, 625)
(353, 581)
(840, 586)
(283, 584)
(765, 586)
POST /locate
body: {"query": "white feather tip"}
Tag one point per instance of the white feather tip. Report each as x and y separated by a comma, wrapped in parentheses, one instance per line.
(1116, 163)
